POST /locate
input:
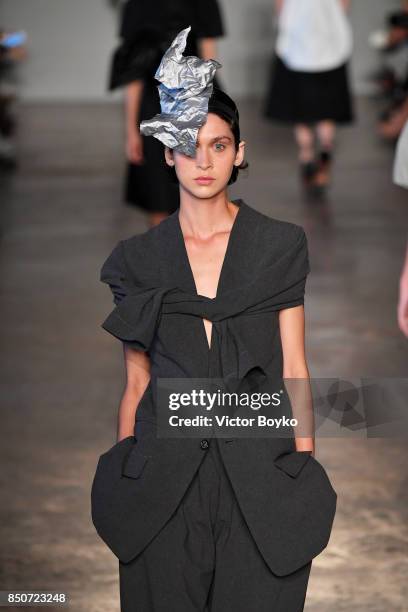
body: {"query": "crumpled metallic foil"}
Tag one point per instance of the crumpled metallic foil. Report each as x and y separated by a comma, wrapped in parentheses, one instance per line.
(185, 89)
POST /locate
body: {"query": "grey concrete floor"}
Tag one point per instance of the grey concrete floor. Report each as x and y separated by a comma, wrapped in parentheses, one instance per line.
(62, 375)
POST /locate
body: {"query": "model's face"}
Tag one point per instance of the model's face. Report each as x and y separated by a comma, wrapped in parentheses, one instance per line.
(215, 158)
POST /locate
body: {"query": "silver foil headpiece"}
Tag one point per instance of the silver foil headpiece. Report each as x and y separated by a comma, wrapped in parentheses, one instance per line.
(185, 89)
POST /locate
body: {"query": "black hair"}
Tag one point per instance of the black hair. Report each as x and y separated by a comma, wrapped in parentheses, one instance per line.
(222, 105)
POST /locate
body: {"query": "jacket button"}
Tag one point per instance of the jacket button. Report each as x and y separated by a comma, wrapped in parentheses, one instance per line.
(204, 444)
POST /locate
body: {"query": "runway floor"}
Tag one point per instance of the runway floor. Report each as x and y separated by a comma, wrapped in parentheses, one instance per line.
(62, 375)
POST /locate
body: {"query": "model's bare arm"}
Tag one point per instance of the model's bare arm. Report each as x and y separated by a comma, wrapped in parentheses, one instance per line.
(207, 48)
(346, 4)
(403, 298)
(137, 364)
(295, 370)
(279, 5)
(134, 143)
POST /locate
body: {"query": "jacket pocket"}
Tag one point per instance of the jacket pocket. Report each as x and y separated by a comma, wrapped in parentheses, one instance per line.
(293, 462)
(111, 484)
(134, 463)
(118, 446)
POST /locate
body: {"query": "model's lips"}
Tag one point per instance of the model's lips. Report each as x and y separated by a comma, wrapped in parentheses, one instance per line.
(204, 179)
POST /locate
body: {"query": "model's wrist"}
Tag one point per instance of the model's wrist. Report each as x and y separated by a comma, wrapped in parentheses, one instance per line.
(403, 283)
(133, 132)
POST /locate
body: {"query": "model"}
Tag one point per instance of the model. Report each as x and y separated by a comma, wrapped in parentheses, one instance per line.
(309, 85)
(216, 290)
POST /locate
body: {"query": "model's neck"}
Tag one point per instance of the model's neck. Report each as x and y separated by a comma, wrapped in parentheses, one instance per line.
(202, 217)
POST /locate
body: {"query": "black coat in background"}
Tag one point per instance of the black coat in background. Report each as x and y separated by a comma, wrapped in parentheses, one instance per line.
(147, 29)
(285, 495)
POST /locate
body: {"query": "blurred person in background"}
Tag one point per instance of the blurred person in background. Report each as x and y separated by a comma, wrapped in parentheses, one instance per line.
(147, 29)
(309, 85)
(12, 51)
(392, 42)
(401, 179)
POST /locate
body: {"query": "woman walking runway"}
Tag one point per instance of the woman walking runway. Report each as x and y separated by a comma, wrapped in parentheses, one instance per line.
(207, 522)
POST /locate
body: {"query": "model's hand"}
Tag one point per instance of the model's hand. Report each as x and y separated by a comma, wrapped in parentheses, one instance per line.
(403, 306)
(134, 147)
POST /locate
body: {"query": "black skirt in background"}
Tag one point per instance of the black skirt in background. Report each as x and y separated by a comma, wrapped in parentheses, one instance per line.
(308, 97)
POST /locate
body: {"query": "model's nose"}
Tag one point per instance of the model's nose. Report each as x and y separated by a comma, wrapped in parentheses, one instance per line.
(203, 159)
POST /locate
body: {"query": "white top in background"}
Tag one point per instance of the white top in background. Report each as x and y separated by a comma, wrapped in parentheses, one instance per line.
(401, 159)
(314, 35)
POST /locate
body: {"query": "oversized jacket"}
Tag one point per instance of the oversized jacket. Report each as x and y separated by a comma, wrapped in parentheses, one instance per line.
(285, 495)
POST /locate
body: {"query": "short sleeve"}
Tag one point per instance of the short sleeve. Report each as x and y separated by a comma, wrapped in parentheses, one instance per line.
(142, 44)
(293, 270)
(209, 19)
(115, 273)
(137, 307)
(303, 253)
(301, 268)
(136, 59)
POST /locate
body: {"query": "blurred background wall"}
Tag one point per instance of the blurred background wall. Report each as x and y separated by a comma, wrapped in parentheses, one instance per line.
(71, 41)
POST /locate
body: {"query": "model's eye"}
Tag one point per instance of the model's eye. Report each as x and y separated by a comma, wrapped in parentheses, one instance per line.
(220, 146)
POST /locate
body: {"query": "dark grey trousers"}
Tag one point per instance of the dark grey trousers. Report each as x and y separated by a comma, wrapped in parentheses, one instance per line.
(204, 559)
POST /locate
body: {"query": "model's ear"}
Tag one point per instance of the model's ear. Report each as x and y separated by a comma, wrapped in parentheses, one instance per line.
(168, 154)
(239, 158)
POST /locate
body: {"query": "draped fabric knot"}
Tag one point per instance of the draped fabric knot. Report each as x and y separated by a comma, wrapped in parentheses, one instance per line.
(140, 308)
(232, 361)
(137, 316)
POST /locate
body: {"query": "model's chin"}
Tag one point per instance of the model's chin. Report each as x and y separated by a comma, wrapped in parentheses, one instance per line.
(202, 190)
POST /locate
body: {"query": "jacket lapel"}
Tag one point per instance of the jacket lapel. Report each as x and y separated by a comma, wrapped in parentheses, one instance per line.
(239, 257)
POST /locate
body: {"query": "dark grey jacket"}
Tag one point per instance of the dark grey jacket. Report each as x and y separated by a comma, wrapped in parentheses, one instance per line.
(285, 495)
